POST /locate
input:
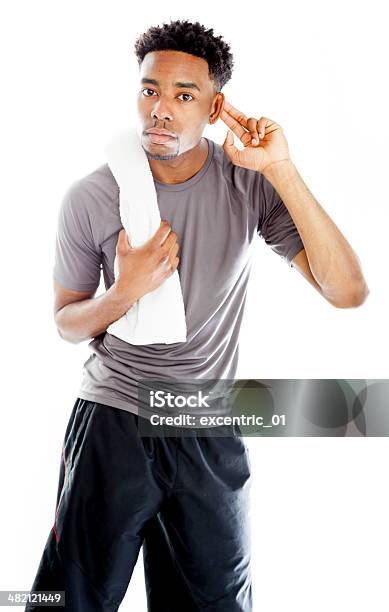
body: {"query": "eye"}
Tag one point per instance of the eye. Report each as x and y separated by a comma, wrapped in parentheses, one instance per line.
(186, 94)
(147, 89)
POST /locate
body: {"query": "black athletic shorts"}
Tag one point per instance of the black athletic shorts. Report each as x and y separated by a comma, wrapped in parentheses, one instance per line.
(184, 498)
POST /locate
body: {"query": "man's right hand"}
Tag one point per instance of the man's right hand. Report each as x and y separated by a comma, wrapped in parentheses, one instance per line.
(143, 269)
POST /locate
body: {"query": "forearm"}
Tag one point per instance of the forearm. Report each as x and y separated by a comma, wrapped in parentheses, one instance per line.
(88, 318)
(333, 263)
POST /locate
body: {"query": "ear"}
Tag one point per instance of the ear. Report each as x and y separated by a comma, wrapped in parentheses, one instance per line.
(217, 106)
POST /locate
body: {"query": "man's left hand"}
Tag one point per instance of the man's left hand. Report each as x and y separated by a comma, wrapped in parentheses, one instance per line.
(263, 139)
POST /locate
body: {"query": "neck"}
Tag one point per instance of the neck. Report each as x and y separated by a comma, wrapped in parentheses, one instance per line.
(180, 168)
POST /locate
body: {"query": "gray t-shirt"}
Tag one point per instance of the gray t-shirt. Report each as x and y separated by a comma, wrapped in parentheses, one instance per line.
(216, 215)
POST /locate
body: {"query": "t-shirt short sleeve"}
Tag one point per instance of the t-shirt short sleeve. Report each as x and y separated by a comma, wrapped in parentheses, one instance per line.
(276, 225)
(78, 258)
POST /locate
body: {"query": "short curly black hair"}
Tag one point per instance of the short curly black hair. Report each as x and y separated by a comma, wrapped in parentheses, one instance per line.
(193, 38)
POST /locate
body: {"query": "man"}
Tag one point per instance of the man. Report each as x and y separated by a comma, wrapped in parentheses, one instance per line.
(184, 498)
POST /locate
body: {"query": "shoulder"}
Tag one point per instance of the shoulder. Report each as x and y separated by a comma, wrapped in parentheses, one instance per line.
(99, 186)
(245, 185)
(241, 180)
(91, 203)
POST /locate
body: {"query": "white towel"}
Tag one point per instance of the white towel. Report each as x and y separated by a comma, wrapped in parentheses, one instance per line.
(158, 316)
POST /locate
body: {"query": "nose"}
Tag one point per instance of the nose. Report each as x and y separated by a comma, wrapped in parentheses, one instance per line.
(160, 112)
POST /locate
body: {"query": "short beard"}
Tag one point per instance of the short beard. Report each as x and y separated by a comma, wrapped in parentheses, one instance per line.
(161, 156)
(156, 156)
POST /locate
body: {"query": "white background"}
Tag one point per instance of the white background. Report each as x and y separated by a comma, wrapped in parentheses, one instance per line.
(69, 77)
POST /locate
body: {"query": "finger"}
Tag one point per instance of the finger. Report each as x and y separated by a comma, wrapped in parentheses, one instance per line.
(163, 254)
(169, 242)
(229, 147)
(123, 243)
(235, 113)
(175, 263)
(170, 264)
(267, 126)
(162, 233)
(252, 125)
(262, 127)
(173, 252)
(235, 126)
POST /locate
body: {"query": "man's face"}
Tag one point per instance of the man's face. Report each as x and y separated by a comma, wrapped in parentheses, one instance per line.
(175, 94)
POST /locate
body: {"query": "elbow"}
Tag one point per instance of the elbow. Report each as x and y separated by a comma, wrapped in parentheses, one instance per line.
(60, 333)
(354, 299)
(63, 334)
(67, 338)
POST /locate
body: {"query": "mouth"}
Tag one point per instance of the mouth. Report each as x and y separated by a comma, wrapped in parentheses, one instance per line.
(160, 138)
